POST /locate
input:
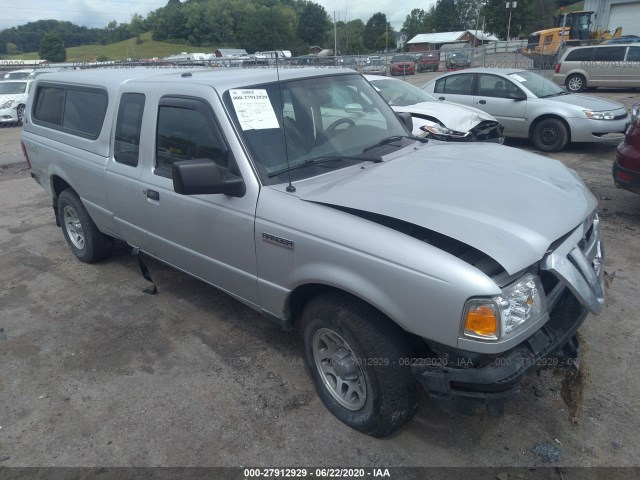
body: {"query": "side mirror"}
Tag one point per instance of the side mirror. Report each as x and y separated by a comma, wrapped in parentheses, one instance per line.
(518, 96)
(406, 119)
(203, 176)
(354, 108)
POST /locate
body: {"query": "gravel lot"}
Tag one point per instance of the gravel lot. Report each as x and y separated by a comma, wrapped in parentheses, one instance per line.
(95, 372)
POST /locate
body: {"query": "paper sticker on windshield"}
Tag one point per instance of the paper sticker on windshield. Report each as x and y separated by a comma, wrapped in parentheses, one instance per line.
(254, 109)
(518, 77)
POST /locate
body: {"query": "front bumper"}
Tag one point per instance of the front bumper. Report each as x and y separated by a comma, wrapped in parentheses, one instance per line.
(574, 273)
(494, 382)
(586, 130)
(625, 178)
(8, 115)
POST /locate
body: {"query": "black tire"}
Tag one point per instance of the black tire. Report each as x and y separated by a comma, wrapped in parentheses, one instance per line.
(20, 114)
(550, 135)
(576, 83)
(87, 243)
(385, 394)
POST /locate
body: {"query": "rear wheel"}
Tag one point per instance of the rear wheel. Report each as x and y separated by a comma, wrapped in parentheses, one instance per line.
(550, 135)
(576, 83)
(355, 356)
(85, 240)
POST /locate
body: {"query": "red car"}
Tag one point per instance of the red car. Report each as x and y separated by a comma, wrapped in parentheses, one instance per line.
(402, 65)
(626, 168)
(428, 62)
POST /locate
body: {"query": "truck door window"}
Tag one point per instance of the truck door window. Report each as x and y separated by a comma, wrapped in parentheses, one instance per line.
(187, 133)
(128, 125)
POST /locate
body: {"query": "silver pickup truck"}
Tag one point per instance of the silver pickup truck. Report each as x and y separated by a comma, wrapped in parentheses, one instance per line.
(458, 267)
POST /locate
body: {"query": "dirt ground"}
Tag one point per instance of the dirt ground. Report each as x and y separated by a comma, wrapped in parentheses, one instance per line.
(93, 372)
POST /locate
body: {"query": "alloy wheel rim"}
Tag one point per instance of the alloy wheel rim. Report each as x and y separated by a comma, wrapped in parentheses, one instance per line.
(73, 226)
(339, 369)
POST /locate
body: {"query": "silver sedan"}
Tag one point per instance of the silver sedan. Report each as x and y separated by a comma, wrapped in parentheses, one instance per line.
(530, 106)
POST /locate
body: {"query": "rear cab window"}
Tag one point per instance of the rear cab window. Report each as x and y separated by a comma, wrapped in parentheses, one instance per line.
(128, 127)
(75, 110)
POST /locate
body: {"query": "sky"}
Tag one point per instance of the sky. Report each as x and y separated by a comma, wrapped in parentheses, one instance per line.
(97, 13)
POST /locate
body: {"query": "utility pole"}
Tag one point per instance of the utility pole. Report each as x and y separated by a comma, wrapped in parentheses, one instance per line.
(335, 39)
(510, 6)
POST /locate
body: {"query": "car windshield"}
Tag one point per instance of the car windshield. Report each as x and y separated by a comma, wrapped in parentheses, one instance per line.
(402, 58)
(537, 84)
(399, 93)
(12, 88)
(335, 116)
(17, 75)
(374, 62)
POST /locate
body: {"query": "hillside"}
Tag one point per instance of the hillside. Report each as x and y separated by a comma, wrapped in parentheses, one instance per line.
(121, 50)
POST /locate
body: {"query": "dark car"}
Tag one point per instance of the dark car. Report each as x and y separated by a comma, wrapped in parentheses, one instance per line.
(402, 65)
(458, 59)
(428, 62)
(626, 167)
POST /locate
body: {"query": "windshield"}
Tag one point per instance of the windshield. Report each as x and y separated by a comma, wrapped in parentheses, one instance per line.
(17, 75)
(331, 116)
(537, 84)
(402, 58)
(12, 88)
(401, 94)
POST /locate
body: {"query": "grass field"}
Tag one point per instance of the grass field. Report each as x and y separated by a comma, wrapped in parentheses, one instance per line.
(148, 48)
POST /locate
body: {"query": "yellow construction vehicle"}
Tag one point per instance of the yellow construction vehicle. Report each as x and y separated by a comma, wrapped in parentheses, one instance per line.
(572, 28)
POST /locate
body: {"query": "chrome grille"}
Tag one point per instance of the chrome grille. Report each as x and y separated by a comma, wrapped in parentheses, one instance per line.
(577, 262)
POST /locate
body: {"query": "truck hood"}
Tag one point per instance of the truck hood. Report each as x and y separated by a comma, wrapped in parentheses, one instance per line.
(460, 118)
(507, 203)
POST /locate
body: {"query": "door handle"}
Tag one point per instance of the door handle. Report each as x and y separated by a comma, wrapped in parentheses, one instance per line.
(153, 195)
(482, 102)
(440, 98)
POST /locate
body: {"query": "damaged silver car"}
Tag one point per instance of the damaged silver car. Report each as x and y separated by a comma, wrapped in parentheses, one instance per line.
(437, 120)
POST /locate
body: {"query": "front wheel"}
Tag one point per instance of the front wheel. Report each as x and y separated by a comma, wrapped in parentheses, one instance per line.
(550, 135)
(20, 114)
(85, 240)
(358, 362)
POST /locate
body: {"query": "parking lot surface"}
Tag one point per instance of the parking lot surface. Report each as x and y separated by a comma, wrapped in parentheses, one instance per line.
(95, 372)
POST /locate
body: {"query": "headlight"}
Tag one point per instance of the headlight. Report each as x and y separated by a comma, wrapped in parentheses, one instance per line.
(520, 303)
(7, 104)
(608, 115)
(437, 130)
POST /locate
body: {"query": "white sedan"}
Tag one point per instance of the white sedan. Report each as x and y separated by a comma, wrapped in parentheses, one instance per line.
(436, 119)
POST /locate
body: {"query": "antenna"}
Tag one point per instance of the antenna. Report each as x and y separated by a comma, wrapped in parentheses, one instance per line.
(290, 187)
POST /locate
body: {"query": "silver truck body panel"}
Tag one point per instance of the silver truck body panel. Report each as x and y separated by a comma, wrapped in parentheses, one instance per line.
(261, 246)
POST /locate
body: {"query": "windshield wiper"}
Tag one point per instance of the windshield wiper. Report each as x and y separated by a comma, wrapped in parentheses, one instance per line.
(394, 138)
(322, 160)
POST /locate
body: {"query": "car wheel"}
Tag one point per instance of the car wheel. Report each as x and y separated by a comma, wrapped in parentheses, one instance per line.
(550, 135)
(20, 114)
(355, 357)
(576, 83)
(85, 240)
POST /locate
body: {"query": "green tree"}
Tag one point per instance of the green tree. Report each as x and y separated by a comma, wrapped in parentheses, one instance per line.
(12, 49)
(350, 37)
(52, 48)
(374, 29)
(418, 21)
(313, 23)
